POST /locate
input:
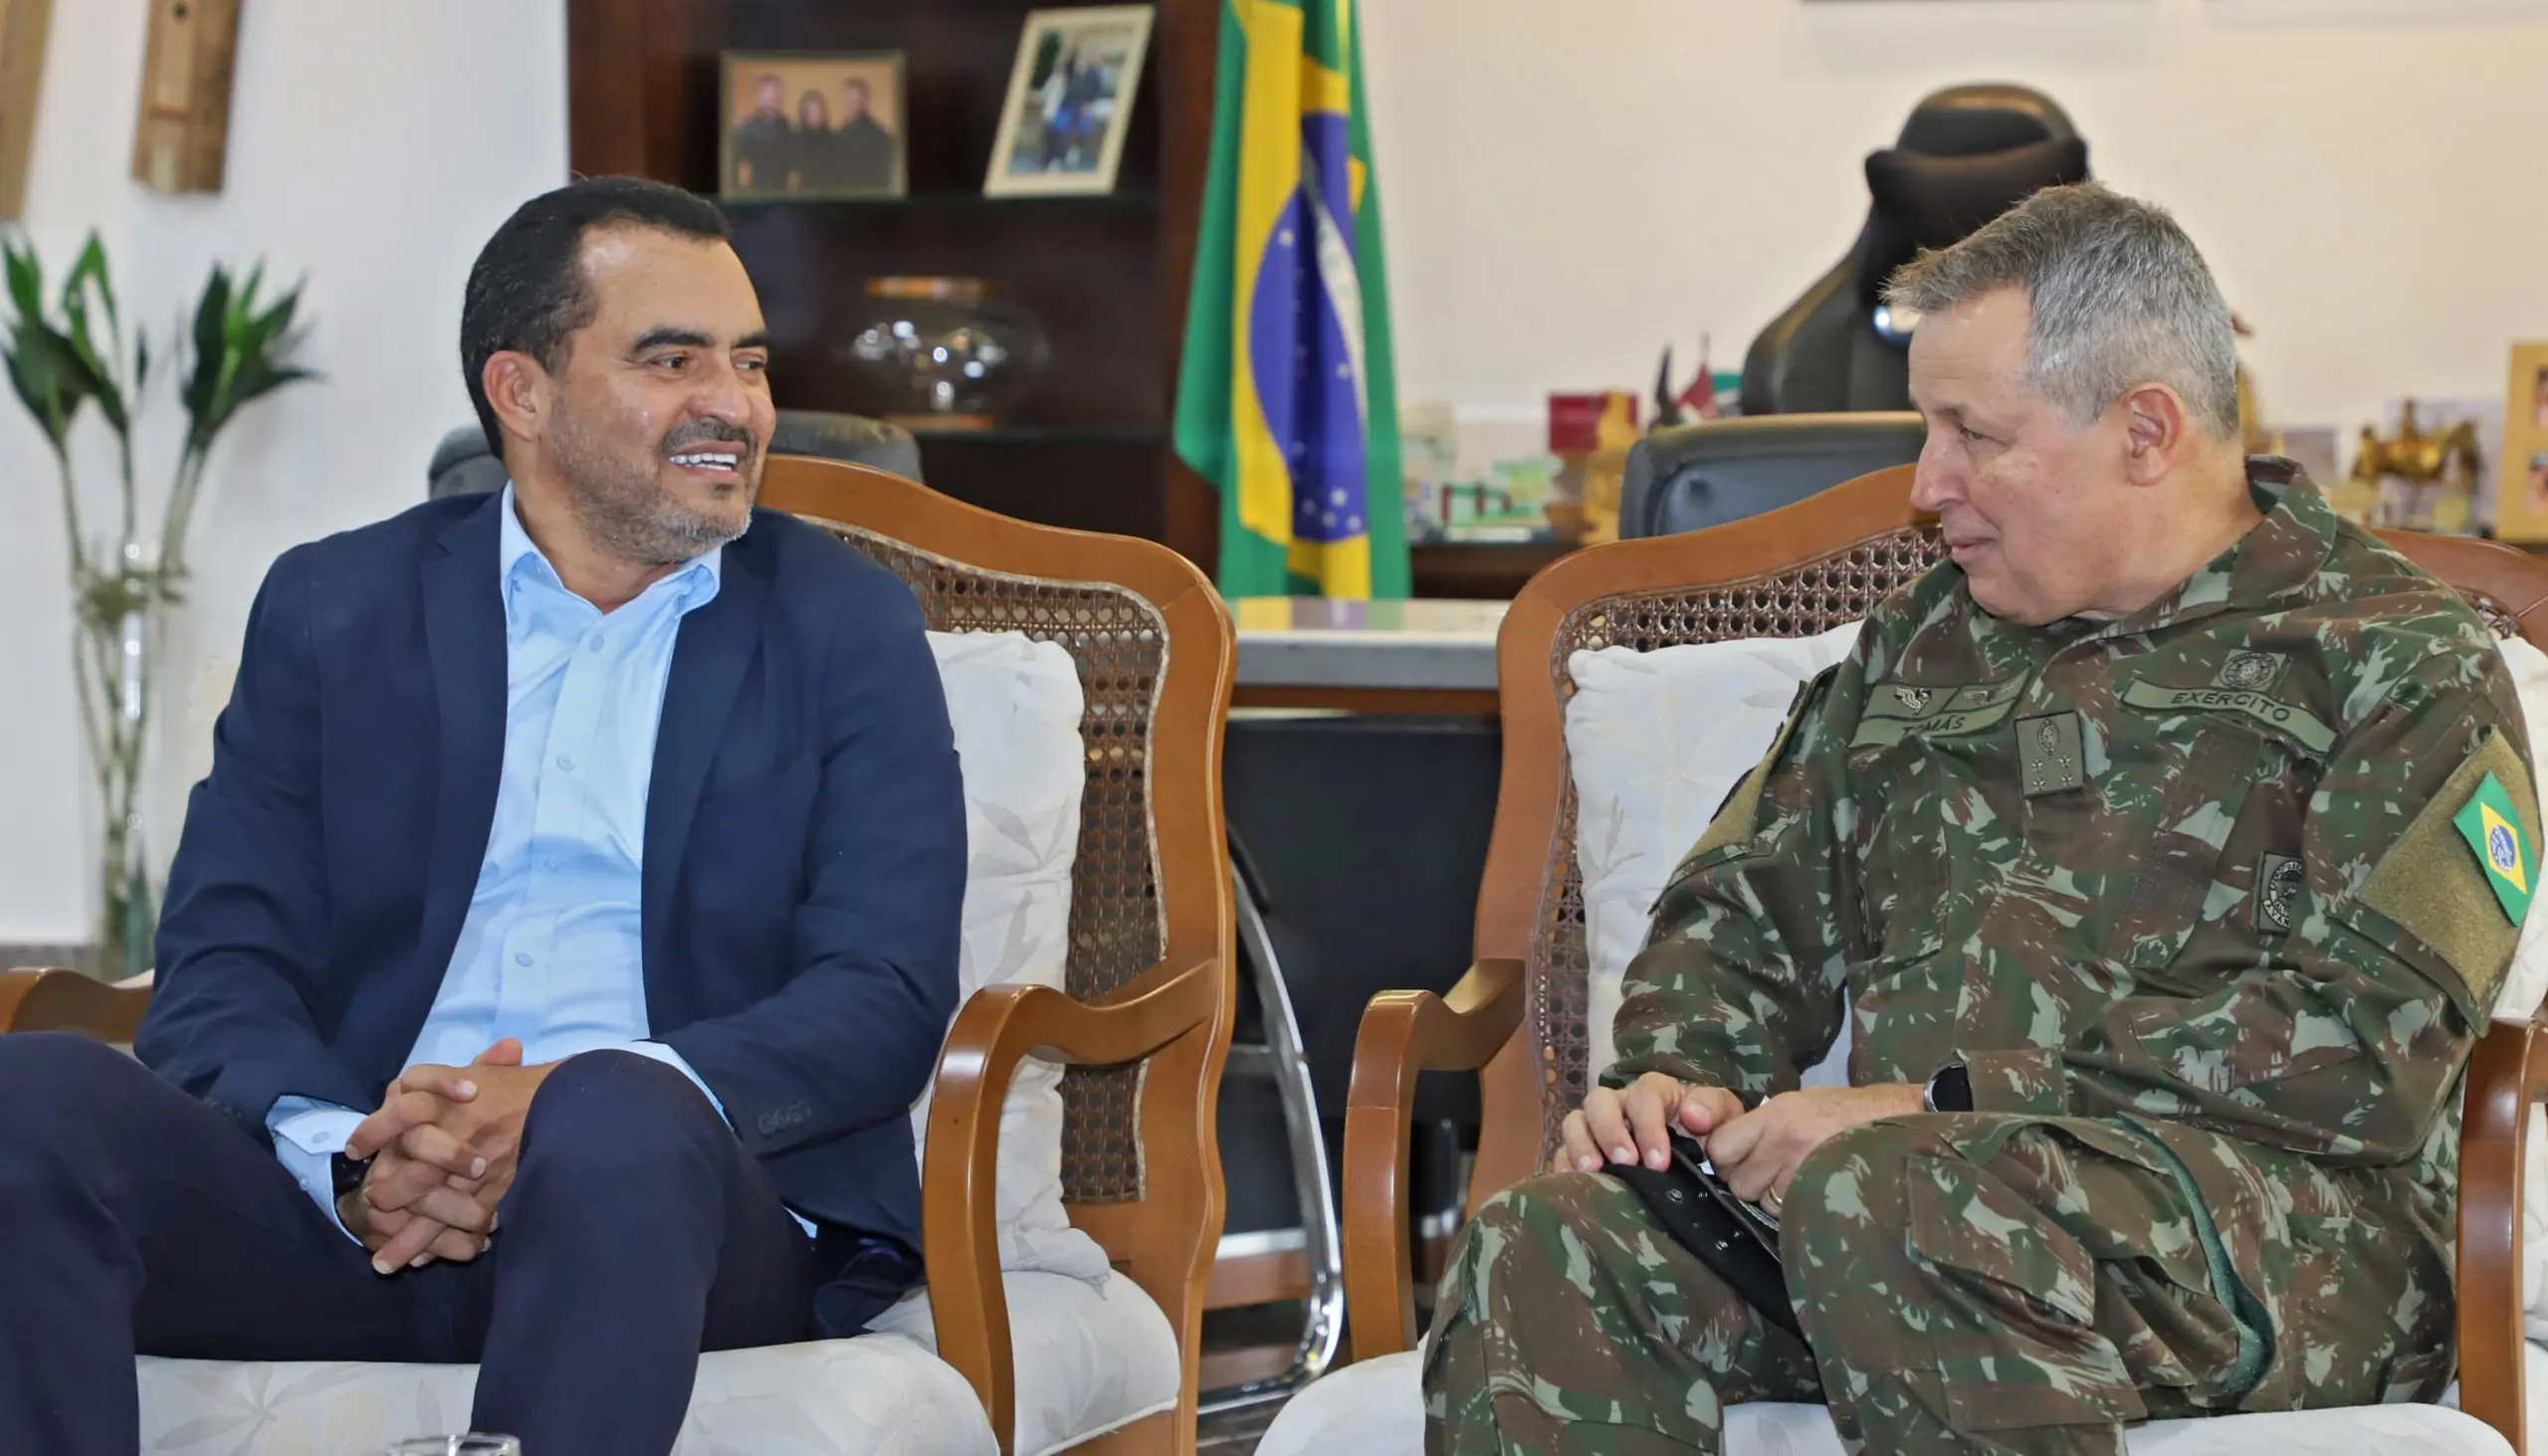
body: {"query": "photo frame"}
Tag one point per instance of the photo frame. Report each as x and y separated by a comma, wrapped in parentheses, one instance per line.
(1070, 101)
(810, 125)
(2521, 503)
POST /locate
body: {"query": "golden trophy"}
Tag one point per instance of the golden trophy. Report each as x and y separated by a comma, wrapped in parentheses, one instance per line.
(2413, 481)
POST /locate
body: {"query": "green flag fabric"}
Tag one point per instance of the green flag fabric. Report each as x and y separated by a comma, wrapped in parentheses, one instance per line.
(1287, 397)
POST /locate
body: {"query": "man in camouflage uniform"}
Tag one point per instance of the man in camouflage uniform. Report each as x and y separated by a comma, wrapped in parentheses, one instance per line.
(2164, 850)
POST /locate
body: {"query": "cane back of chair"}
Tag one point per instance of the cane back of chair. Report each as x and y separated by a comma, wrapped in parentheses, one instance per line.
(1150, 885)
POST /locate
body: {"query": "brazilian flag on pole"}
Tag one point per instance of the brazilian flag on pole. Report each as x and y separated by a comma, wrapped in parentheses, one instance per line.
(1287, 400)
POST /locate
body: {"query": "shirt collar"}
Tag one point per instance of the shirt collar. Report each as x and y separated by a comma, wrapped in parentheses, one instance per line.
(517, 553)
(2280, 553)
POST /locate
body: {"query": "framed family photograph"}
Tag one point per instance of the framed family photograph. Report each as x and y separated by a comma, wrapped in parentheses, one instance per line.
(1070, 101)
(810, 125)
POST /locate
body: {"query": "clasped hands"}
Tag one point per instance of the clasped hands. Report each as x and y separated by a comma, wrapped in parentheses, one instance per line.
(1756, 1152)
(441, 1148)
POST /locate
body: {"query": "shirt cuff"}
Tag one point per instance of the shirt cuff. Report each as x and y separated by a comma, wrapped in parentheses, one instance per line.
(307, 1133)
(2032, 1081)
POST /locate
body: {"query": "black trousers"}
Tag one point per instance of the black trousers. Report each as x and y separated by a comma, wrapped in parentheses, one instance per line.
(136, 1219)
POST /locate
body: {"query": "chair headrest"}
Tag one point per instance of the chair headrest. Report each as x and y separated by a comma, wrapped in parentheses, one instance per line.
(1966, 154)
(1964, 120)
(1941, 200)
(461, 444)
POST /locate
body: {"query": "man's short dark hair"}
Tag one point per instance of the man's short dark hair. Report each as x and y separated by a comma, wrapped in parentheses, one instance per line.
(528, 292)
(857, 83)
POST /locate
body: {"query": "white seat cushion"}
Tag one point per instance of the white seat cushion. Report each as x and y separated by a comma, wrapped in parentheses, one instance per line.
(1090, 1357)
(1377, 1408)
(877, 1394)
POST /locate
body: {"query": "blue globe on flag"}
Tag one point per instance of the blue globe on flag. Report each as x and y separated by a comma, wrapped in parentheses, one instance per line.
(2501, 849)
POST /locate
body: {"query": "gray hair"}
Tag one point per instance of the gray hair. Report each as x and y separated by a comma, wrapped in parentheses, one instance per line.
(2120, 298)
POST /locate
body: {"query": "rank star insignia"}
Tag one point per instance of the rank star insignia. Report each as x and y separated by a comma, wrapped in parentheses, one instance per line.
(1915, 698)
(2049, 757)
(2245, 672)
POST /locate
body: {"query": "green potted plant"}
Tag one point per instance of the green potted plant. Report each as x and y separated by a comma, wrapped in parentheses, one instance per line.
(61, 359)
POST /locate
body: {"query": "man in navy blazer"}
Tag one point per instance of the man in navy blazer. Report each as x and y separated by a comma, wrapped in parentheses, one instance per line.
(560, 937)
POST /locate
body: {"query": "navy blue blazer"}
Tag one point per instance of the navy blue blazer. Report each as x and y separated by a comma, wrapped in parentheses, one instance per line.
(805, 852)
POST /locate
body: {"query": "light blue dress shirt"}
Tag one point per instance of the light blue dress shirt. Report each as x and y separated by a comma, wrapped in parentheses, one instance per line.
(550, 953)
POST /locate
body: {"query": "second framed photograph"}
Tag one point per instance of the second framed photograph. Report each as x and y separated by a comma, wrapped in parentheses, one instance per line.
(1070, 101)
(811, 125)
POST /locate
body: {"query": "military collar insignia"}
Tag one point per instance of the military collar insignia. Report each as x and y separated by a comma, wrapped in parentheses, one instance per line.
(2280, 555)
(1914, 699)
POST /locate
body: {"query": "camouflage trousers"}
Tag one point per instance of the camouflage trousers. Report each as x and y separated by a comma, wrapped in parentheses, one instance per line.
(1967, 1283)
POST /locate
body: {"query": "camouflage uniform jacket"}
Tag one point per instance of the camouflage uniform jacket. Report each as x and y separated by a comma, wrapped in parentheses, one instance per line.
(2194, 868)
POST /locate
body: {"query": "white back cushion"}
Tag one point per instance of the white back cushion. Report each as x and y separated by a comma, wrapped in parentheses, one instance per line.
(1015, 703)
(2526, 987)
(2526, 984)
(1655, 741)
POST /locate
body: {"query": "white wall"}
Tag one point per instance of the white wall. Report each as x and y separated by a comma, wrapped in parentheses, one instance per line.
(373, 146)
(1569, 183)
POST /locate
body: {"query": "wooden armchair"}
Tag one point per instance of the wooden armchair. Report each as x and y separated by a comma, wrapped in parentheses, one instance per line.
(1518, 1017)
(1146, 1021)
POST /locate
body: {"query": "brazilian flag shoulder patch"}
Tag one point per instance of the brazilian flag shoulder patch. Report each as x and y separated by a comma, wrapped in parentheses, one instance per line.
(2493, 831)
(2466, 918)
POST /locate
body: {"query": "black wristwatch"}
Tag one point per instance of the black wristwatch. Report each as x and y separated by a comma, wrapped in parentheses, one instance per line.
(1950, 1089)
(347, 1173)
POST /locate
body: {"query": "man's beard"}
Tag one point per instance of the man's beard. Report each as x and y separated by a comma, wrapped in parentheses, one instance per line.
(628, 510)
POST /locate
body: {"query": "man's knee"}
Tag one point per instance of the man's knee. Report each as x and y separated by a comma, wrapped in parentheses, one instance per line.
(1530, 1238)
(619, 1119)
(1846, 1209)
(1855, 1178)
(1532, 1216)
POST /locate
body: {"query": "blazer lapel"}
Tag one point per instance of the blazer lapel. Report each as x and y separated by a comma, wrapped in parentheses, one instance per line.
(710, 657)
(465, 636)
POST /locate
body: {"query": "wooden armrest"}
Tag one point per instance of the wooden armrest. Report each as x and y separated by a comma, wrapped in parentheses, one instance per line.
(1404, 1033)
(52, 999)
(999, 1027)
(2507, 1074)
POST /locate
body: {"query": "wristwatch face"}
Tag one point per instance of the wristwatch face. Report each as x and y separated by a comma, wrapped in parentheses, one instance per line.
(1950, 1090)
(344, 1174)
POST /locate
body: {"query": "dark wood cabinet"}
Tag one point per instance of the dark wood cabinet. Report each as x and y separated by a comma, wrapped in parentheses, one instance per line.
(1088, 445)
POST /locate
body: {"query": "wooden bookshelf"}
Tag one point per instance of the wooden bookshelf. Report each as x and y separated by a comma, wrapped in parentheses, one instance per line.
(1087, 446)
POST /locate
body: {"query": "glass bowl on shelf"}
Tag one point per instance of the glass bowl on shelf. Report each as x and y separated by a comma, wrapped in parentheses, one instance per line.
(944, 353)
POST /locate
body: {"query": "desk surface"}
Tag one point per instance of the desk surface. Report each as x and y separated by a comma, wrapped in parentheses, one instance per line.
(1425, 645)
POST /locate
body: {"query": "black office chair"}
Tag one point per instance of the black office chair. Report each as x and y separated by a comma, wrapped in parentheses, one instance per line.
(462, 464)
(1697, 476)
(1966, 156)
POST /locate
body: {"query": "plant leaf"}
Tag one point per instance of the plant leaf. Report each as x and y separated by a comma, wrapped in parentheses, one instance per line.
(239, 352)
(87, 278)
(26, 280)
